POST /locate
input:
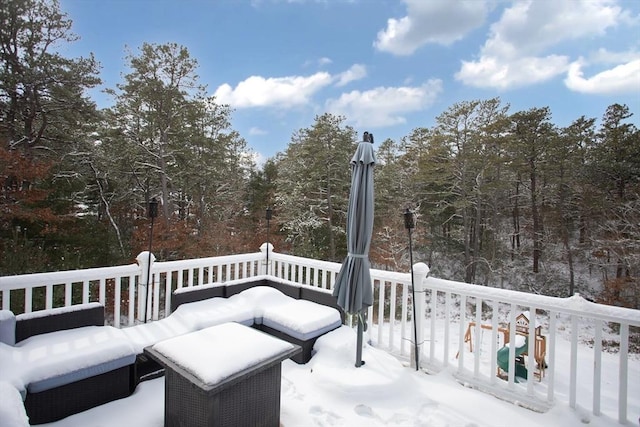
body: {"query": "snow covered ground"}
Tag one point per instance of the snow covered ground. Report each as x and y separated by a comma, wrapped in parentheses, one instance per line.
(330, 391)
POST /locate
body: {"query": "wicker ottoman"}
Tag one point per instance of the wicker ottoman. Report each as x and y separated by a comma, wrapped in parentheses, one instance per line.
(225, 375)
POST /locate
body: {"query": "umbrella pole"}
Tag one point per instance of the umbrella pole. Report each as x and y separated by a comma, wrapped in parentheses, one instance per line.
(359, 361)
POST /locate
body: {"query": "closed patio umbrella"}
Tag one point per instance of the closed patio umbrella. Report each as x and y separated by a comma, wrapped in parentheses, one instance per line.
(353, 287)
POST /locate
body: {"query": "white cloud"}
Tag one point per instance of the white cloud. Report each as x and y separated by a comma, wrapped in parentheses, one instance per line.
(285, 92)
(320, 62)
(492, 72)
(624, 78)
(257, 131)
(529, 27)
(259, 160)
(384, 106)
(514, 53)
(432, 21)
(604, 56)
(356, 72)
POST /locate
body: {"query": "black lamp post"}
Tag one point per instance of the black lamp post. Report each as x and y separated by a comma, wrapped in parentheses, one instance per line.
(152, 213)
(409, 224)
(268, 216)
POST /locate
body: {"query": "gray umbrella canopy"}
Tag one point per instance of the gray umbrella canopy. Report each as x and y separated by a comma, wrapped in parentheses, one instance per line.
(353, 287)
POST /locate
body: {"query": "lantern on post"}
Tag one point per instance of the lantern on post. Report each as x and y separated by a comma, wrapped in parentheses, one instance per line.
(152, 213)
(409, 224)
(268, 216)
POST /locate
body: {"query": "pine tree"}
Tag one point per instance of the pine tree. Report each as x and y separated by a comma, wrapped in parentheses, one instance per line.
(313, 184)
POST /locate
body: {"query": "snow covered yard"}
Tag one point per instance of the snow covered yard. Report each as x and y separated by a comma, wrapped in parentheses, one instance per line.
(330, 391)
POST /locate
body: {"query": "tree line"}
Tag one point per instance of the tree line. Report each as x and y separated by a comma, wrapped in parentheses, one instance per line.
(501, 198)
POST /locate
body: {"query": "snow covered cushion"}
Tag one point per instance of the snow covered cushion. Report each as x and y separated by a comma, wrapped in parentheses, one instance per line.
(12, 412)
(58, 358)
(301, 319)
(215, 311)
(259, 298)
(7, 327)
(146, 334)
(10, 368)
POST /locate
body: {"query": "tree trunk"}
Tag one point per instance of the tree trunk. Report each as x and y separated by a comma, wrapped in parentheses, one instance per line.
(515, 239)
(537, 227)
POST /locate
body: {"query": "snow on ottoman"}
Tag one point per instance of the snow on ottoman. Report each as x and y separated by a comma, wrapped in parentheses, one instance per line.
(300, 322)
(224, 375)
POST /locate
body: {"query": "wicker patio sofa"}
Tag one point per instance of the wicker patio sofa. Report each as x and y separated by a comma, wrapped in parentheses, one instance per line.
(94, 364)
(65, 360)
(297, 314)
(286, 310)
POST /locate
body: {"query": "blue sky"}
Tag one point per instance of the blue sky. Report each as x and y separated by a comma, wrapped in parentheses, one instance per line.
(388, 66)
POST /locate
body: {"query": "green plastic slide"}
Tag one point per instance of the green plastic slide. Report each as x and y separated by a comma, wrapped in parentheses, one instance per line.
(503, 359)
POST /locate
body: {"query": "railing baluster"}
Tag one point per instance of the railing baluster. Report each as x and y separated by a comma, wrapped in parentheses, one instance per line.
(190, 278)
(622, 374)
(132, 299)
(102, 291)
(432, 326)
(6, 301)
(447, 323)
(392, 314)
(531, 350)
(404, 316)
(597, 366)
(380, 310)
(168, 288)
(85, 291)
(28, 300)
(478, 338)
(117, 283)
(48, 296)
(573, 366)
(551, 345)
(462, 321)
(494, 342)
(68, 287)
(512, 346)
(156, 295)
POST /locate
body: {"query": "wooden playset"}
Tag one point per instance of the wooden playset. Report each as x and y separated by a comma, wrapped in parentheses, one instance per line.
(522, 328)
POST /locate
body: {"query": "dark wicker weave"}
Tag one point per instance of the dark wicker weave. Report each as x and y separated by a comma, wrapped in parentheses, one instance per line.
(147, 368)
(60, 402)
(92, 315)
(249, 398)
(307, 346)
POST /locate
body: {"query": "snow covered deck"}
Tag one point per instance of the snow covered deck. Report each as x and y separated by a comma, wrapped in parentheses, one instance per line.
(599, 382)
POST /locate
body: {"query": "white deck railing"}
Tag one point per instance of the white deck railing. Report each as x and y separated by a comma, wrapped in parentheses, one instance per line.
(449, 308)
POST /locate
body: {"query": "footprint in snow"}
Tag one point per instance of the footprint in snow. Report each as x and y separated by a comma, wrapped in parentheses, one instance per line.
(322, 417)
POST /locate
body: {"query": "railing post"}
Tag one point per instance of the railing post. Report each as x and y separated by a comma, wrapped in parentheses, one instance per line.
(267, 251)
(145, 260)
(421, 272)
